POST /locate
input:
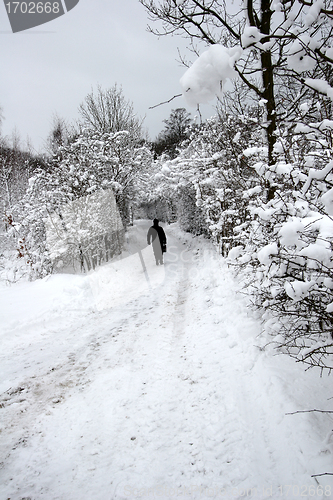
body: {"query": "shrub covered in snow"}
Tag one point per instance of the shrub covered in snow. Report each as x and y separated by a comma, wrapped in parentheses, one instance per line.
(63, 197)
(286, 251)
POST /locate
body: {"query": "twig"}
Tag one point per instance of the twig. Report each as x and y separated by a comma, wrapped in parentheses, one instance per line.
(323, 474)
(165, 102)
(308, 411)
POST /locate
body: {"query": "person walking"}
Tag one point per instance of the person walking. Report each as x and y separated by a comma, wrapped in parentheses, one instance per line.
(156, 236)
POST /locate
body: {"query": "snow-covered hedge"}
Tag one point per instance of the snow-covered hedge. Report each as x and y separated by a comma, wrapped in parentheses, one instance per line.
(286, 247)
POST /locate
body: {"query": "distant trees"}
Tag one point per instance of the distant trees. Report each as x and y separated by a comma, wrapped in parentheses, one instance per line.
(16, 167)
(95, 160)
(155, 199)
(176, 130)
(60, 135)
(17, 164)
(1, 119)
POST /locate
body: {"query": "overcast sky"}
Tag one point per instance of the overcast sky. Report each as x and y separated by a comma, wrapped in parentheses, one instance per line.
(50, 69)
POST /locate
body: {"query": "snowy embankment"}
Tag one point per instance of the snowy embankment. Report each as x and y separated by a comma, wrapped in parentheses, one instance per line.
(145, 381)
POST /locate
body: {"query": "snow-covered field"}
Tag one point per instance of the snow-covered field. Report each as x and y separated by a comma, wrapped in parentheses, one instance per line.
(145, 381)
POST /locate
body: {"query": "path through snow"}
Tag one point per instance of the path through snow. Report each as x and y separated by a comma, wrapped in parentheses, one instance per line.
(137, 382)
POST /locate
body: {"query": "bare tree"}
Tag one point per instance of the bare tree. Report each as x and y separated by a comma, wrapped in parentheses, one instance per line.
(107, 111)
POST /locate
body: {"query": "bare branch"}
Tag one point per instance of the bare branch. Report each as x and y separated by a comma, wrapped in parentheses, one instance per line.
(165, 102)
(323, 474)
(309, 411)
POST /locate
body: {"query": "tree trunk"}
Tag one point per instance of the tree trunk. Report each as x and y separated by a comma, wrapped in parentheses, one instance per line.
(268, 80)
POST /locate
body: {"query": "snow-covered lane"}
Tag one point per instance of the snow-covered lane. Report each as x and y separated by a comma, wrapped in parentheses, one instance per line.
(155, 389)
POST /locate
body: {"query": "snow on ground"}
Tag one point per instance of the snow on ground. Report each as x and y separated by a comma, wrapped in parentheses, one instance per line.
(144, 381)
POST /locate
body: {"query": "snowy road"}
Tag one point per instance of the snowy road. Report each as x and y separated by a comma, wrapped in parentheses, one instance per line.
(147, 382)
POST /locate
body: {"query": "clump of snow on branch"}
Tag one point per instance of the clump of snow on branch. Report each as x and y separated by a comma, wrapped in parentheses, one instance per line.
(313, 12)
(320, 85)
(298, 58)
(250, 36)
(203, 81)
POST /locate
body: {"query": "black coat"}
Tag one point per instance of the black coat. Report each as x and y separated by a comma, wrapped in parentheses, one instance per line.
(156, 235)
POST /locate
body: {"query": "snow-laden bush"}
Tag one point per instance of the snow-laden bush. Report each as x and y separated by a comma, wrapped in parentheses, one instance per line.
(66, 215)
(286, 247)
(85, 232)
(97, 161)
(26, 255)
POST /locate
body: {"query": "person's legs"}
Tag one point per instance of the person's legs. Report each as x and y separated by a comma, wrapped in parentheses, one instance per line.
(158, 253)
(156, 257)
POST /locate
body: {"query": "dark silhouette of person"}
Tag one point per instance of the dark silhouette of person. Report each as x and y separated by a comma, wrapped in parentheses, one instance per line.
(156, 236)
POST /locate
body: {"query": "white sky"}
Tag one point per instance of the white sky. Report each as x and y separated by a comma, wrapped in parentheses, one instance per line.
(50, 69)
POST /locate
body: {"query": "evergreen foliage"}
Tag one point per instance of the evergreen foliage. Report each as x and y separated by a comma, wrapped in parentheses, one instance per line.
(176, 131)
